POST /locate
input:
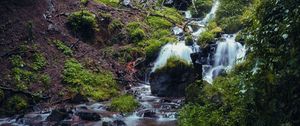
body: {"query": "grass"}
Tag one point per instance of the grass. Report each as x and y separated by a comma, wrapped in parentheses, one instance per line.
(113, 3)
(62, 47)
(124, 104)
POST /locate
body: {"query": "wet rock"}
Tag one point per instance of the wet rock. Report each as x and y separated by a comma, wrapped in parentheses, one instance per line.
(58, 115)
(53, 28)
(89, 116)
(107, 124)
(119, 123)
(171, 82)
(150, 114)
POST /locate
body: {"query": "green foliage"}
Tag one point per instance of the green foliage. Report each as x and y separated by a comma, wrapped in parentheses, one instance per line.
(113, 3)
(45, 79)
(210, 34)
(189, 40)
(136, 33)
(17, 61)
(152, 48)
(39, 61)
(201, 8)
(229, 14)
(99, 86)
(124, 103)
(62, 47)
(22, 78)
(83, 23)
(16, 104)
(158, 22)
(115, 25)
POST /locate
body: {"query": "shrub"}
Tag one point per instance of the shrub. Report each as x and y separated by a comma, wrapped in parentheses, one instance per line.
(189, 40)
(16, 104)
(62, 47)
(83, 23)
(124, 103)
(99, 86)
(202, 8)
(39, 61)
(17, 61)
(205, 38)
(22, 78)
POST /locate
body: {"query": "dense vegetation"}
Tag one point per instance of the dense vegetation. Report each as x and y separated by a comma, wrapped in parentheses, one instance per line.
(264, 90)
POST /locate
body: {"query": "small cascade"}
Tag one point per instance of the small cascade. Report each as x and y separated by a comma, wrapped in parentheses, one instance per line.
(228, 53)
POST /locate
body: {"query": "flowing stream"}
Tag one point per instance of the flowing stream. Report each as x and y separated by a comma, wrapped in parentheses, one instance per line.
(154, 110)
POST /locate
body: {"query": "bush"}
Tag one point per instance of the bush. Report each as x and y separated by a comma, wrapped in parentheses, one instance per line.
(202, 8)
(99, 86)
(124, 103)
(189, 40)
(62, 47)
(83, 23)
(16, 104)
(205, 38)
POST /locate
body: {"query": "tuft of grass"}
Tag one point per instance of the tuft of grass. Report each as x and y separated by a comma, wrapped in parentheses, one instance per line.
(39, 61)
(62, 47)
(124, 103)
(16, 104)
(113, 3)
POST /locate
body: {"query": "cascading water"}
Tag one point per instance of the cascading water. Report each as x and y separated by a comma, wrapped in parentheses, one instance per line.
(228, 53)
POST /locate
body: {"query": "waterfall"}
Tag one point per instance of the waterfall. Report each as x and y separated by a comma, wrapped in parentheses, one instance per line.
(228, 53)
(179, 49)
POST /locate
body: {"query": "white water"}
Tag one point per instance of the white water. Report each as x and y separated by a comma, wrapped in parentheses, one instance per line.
(229, 52)
(180, 49)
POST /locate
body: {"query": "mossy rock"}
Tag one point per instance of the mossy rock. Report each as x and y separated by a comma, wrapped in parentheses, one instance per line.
(124, 103)
(202, 7)
(205, 38)
(189, 40)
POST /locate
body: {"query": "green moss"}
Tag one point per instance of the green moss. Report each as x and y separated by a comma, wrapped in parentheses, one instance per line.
(62, 47)
(170, 13)
(99, 86)
(159, 22)
(175, 66)
(83, 23)
(230, 24)
(124, 103)
(136, 33)
(113, 3)
(39, 61)
(84, 2)
(45, 79)
(115, 25)
(152, 48)
(201, 8)
(16, 104)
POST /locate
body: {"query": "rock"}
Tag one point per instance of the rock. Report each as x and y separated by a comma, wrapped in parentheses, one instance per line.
(78, 99)
(53, 28)
(58, 115)
(107, 124)
(89, 116)
(119, 123)
(178, 4)
(171, 81)
(150, 114)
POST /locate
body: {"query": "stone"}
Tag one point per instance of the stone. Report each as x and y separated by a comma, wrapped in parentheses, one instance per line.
(119, 123)
(58, 115)
(89, 116)
(150, 114)
(78, 99)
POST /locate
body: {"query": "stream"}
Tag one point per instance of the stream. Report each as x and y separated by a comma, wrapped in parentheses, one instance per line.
(153, 111)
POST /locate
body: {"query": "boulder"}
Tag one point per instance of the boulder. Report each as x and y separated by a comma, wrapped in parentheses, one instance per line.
(178, 4)
(58, 115)
(172, 79)
(119, 123)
